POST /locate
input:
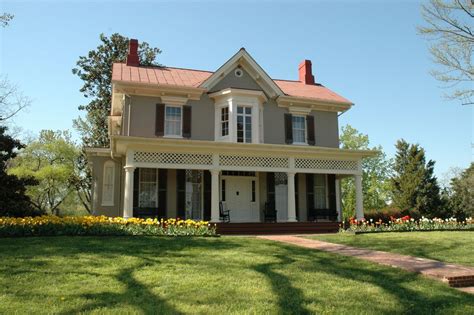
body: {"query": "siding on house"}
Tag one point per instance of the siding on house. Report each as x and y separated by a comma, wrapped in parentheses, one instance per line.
(142, 117)
(98, 163)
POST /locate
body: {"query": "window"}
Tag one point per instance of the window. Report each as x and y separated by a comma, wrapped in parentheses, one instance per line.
(244, 124)
(253, 191)
(223, 190)
(148, 188)
(108, 184)
(320, 192)
(299, 129)
(173, 121)
(224, 121)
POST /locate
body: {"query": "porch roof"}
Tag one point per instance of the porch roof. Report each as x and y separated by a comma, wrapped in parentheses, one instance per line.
(120, 144)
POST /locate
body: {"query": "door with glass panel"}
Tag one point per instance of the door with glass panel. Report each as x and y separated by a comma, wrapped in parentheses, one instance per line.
(194, 194)
(147, 192)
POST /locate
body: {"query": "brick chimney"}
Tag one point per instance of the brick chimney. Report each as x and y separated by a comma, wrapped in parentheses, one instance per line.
(132, 57)
(305, 72)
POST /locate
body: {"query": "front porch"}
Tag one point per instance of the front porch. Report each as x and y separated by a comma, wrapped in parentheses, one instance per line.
(195, 179)
(244, 196)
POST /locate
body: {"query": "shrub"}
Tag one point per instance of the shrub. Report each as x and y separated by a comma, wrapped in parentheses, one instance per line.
(49, 225)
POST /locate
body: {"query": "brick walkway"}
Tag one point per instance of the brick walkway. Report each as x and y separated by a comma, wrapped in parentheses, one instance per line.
(458, 276)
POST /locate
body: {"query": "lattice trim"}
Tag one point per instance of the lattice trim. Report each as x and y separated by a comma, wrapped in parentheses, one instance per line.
(253, 161)
(326, 164)
(173, 158)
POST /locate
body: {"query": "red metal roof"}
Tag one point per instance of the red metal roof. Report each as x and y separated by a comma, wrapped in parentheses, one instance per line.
(194, 78)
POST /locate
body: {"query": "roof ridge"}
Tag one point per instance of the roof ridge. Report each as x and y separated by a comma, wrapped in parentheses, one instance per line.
(165, 67)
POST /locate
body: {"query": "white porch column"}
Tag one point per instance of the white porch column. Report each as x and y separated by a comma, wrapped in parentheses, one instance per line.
(359, 197)
(338, 200)
(215, 196)
(291, 197)
(128, 193)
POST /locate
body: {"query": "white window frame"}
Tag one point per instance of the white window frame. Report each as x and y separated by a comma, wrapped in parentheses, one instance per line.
(108, 165)
(244, 115)
(325, 191)
(304, 129)
(181, 123)
(224, 121)
(139, 187)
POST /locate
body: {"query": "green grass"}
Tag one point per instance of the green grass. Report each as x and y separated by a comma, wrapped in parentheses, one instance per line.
(208, 276)
(448, 246)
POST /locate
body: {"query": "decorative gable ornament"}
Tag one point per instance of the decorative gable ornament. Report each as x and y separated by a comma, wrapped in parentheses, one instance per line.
(243, 60)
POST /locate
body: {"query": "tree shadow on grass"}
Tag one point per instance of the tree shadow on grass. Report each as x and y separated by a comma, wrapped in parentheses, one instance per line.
(393, 281)
(290, 299)
(136, 294)
(144, 251)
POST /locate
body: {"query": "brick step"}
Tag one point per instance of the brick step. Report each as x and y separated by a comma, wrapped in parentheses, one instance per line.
(460, 281)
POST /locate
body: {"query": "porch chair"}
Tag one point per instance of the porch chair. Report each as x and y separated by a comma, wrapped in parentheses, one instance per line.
(269, 212)
(224, 214)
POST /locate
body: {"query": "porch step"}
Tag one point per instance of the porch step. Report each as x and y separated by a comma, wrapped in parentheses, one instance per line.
(460, 281)
(277, 228)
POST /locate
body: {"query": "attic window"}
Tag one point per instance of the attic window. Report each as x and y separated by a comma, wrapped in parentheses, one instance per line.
(238, 73)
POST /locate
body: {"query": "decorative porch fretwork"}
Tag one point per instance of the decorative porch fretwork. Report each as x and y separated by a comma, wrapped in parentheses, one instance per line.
(253, 161)
(243, 162)
(173, 158)
(342, 165)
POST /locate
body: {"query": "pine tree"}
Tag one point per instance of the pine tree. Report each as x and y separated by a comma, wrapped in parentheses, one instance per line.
(13, 198)
(461, 199)
(414, 185)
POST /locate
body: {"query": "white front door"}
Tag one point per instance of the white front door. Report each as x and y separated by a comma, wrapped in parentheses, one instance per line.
(239, 199)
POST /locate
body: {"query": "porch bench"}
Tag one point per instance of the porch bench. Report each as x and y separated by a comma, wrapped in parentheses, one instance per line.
(317, 214)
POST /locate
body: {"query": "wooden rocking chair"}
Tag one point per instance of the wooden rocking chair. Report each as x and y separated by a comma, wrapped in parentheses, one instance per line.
(224, 214)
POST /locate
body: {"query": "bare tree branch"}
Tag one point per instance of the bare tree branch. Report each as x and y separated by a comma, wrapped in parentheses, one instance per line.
(448, 26)
(12, 100)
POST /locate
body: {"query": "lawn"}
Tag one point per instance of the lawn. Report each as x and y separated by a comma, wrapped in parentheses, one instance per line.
(207, 276)
(448, 246)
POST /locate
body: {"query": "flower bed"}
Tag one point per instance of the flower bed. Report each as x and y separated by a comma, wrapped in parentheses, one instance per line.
(101, 225)
(407, 224)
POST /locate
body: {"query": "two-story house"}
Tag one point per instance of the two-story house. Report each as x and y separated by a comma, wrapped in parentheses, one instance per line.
(190, 143)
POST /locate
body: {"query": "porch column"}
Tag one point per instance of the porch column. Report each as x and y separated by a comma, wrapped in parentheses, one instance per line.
(215, 196)
(291, 197)
(128, 193)
(359, 197)
(338, 200)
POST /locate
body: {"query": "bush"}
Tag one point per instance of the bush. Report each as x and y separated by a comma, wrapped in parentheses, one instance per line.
(49, 225)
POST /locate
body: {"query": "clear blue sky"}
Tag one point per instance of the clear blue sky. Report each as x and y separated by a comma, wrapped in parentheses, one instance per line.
(368, 52)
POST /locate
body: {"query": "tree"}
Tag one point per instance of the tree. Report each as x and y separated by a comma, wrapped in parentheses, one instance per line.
(11, 100)
(414, 185)
(449, 26)
(51, 160)
(5, 19)
(95, 70)
(375, 176)
(13, 198)
(461, 196)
